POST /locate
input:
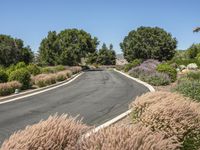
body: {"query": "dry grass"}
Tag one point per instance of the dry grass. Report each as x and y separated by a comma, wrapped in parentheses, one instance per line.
(9, 87)
(168, 112)
(56, 133)
(135, 137)
(75, 69)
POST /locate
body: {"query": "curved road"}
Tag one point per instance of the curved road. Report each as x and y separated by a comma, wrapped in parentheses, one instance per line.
(97, 96)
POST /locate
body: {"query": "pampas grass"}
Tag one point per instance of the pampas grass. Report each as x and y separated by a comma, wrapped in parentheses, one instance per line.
(56, 133)
(136, 137)
(170, 113)
(9, 87)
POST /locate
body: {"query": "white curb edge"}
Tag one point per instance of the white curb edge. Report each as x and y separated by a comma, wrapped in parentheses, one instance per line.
(123, 115)
(42, 91)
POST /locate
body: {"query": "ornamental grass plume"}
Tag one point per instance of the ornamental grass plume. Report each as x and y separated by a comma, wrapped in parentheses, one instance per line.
(75, 69)
(56, 133)
(136, 137)
(9, 87)
(170, 113)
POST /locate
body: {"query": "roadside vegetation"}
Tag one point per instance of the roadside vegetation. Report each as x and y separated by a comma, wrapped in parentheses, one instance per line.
(23, 77)
(159, 120)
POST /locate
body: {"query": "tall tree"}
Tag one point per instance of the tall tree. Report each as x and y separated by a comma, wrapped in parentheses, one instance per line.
(106, 56)
(12, 50)
(67, 47)
(149, 43)
(49, 49)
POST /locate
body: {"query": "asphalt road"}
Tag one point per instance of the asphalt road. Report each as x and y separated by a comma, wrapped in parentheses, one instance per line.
(97, 96)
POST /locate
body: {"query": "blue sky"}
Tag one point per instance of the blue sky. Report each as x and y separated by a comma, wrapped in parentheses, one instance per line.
(109, 20)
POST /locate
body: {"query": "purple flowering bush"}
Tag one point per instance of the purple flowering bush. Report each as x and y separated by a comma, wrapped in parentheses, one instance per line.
(147, 72)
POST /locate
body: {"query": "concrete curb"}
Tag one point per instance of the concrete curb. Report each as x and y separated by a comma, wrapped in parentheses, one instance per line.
(38, 91)
(123, 115)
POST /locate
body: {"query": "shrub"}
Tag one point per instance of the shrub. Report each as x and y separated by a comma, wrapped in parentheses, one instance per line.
(42, 80)
(156, 79)
(170, 113)
(131, 65)
(9, 87)
(59, 68)
(135, 137)
(23, 76)
(3, 76)
(75, 69)
(189, 88)
(165, 68)
(61, 76)
(55, 133)
(193, 75)
(20, 65)
(10, 69)
(34, 69)
(47, 70)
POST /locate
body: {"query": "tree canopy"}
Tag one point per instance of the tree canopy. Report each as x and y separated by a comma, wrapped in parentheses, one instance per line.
(12, 50)
(67, 47)
(106, 56)
(193, 51)
(149, 43)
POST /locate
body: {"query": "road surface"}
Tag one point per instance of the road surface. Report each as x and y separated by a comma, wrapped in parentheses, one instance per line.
(97, 96)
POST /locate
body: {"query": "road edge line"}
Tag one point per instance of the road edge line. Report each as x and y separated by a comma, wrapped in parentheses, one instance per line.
(123, 115)
(42, 90)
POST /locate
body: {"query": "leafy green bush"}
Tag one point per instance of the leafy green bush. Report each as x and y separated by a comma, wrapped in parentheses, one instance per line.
(20, 65)
(165, 68)
(193, 75)
(131, 65)
(10, 69)
(34, 69)
(59, 68)
(9, 87)
(3, 76)
(184, 62)
(156, 79)
(189, 88)
(22, 75)
(47, 70)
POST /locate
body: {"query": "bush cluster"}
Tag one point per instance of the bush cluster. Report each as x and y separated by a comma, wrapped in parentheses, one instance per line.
(75, 69)
(3, 76)
(55, 133)
(53, 69)
(148, 73)
(33, 69)
(59, 133)
(165, 68)
(43, 80)
(9, 87)
(131, 65)
(170, 113)
(23, 76)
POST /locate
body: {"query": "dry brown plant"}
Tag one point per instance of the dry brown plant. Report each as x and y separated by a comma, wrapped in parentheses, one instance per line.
(56, 133)
(136, 137)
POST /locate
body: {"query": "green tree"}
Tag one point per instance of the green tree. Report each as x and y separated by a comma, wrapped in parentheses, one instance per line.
(49, 50)
(106, 56)
(13, 50)
(148, 43)
(193, 50)
(67, 47)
